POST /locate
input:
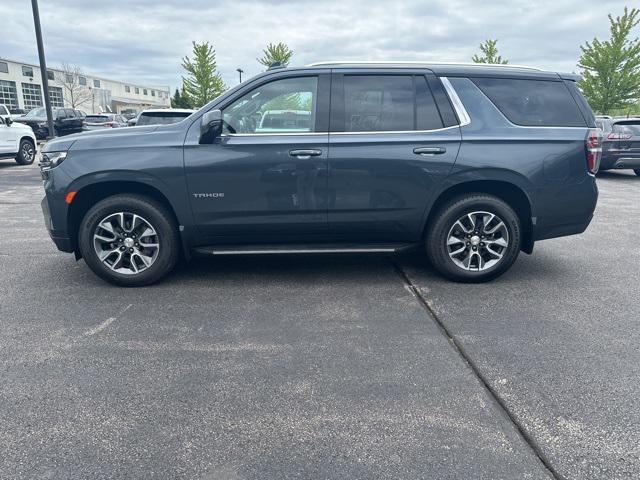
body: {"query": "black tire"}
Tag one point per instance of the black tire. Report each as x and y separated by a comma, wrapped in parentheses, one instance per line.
(443, 222)
(155, 214)
(26, 152)
(637, 171)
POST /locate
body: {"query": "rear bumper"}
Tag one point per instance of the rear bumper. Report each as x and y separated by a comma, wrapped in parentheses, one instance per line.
(622, 160)
(567, 210)
(60, 238)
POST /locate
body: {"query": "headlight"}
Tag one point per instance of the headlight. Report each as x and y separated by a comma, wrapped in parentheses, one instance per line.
(51, 160)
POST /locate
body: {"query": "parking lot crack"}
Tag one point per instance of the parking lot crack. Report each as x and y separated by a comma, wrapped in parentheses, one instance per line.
(459, 347)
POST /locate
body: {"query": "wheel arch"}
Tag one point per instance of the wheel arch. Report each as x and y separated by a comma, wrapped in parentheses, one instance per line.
(92, 193)
(509, 192)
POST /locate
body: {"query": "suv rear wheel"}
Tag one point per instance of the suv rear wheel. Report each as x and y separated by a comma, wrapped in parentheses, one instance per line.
(474, 238)
(26, 152)
(129, 240)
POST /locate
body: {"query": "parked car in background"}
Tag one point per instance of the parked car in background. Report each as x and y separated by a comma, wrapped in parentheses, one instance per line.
(17, 112)
(104, 120)
(17, 141)
(65, 122)
(621, 144)
(471, 164)
(4, 111)
(161, 116)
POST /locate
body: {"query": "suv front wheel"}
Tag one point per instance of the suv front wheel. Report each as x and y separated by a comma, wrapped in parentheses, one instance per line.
(129, 240)
(474, 238)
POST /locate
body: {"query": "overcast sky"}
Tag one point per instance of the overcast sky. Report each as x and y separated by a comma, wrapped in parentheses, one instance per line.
(143, 41)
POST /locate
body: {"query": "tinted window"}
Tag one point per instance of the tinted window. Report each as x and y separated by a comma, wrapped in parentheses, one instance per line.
(427, 115)
(27, 71)
(280, 106)
(627, 128)
(4, 68)
(96, 118)
(533, 102)
(161, 118)
(378, 103)
(96, 83)
(82, 80)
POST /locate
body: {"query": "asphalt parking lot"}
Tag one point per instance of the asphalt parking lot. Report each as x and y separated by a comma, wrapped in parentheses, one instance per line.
(322, 366)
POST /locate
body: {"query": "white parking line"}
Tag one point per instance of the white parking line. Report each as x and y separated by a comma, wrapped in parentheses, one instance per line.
(105, 324)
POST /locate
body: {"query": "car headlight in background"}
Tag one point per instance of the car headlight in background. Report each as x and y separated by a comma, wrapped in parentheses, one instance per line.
(51, 160)
(41, 124)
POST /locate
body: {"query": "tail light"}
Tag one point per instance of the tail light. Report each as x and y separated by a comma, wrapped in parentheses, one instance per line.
(594, 150)
(619, 136)
(109, 124)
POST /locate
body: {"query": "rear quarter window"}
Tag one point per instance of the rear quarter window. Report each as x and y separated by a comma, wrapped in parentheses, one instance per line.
(536, 103)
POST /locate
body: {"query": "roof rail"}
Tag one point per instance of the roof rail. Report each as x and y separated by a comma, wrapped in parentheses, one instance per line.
(414, 62)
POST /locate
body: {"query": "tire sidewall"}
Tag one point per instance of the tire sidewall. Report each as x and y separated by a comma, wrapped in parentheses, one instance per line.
(20, 158)
(157, 216)
(437, 237)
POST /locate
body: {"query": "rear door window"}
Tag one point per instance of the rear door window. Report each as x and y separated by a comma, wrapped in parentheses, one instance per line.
(627, 128)
(539, 103)
(387, 103)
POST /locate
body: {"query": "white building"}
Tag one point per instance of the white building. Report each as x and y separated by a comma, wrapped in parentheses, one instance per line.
(21, 87)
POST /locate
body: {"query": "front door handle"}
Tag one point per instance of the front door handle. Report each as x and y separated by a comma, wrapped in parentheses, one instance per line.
(305, 154)
(429, 150)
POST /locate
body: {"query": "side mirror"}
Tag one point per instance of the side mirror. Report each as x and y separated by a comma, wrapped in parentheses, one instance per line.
(211, 126)
(8, 121)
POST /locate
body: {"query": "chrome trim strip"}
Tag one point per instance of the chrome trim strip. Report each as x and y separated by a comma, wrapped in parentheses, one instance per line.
(417, 62)
(308, 250)
(272, 134)
(464, 117)
(395, 131)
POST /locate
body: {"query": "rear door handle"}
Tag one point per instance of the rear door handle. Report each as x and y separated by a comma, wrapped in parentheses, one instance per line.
(305, 154)
(429, 150)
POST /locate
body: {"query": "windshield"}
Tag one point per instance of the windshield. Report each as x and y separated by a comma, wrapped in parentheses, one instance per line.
(38, 112)
(161, 118)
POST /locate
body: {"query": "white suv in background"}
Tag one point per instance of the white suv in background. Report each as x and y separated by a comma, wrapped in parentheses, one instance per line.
(18, 141)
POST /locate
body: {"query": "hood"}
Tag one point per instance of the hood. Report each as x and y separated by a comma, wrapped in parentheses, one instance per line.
(20, 126)
(31, 119)
(105, 136)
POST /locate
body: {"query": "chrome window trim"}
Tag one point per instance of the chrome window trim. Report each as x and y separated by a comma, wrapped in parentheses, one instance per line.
(463, 116)
(272, 134)
(379, 132)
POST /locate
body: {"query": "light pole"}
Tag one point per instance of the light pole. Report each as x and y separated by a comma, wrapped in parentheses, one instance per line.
(240, 72)
(43, 67)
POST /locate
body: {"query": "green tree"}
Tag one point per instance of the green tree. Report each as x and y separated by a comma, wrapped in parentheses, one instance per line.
(202, 83)
(611, 69)
(278, 52)
(489, 51)
(180, 100)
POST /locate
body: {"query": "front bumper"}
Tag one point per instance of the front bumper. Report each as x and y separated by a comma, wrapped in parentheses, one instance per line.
(60, 238)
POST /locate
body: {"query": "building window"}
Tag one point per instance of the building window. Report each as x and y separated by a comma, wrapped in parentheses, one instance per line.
(50, 75)
(27, 71)
(68, 78)
(127, 88)
(82, 80)
(153, 93)
(137, 90)
(31, 95)
(55, 95)
(96, 83)
(8, 95)
(4, 67)
(144, 91)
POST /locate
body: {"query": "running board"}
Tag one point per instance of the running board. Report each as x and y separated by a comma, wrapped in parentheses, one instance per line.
(305, 249)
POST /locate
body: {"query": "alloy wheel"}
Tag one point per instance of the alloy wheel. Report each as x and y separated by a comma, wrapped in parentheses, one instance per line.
(126, 243)
(28, 152)
(477, 241)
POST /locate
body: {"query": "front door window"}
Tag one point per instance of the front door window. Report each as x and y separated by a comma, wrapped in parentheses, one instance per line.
(282, 106)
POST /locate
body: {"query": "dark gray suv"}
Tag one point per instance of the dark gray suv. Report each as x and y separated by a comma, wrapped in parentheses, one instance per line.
(474, 163)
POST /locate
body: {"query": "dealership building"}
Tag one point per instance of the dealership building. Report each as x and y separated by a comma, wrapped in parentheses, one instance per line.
(21, 87)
